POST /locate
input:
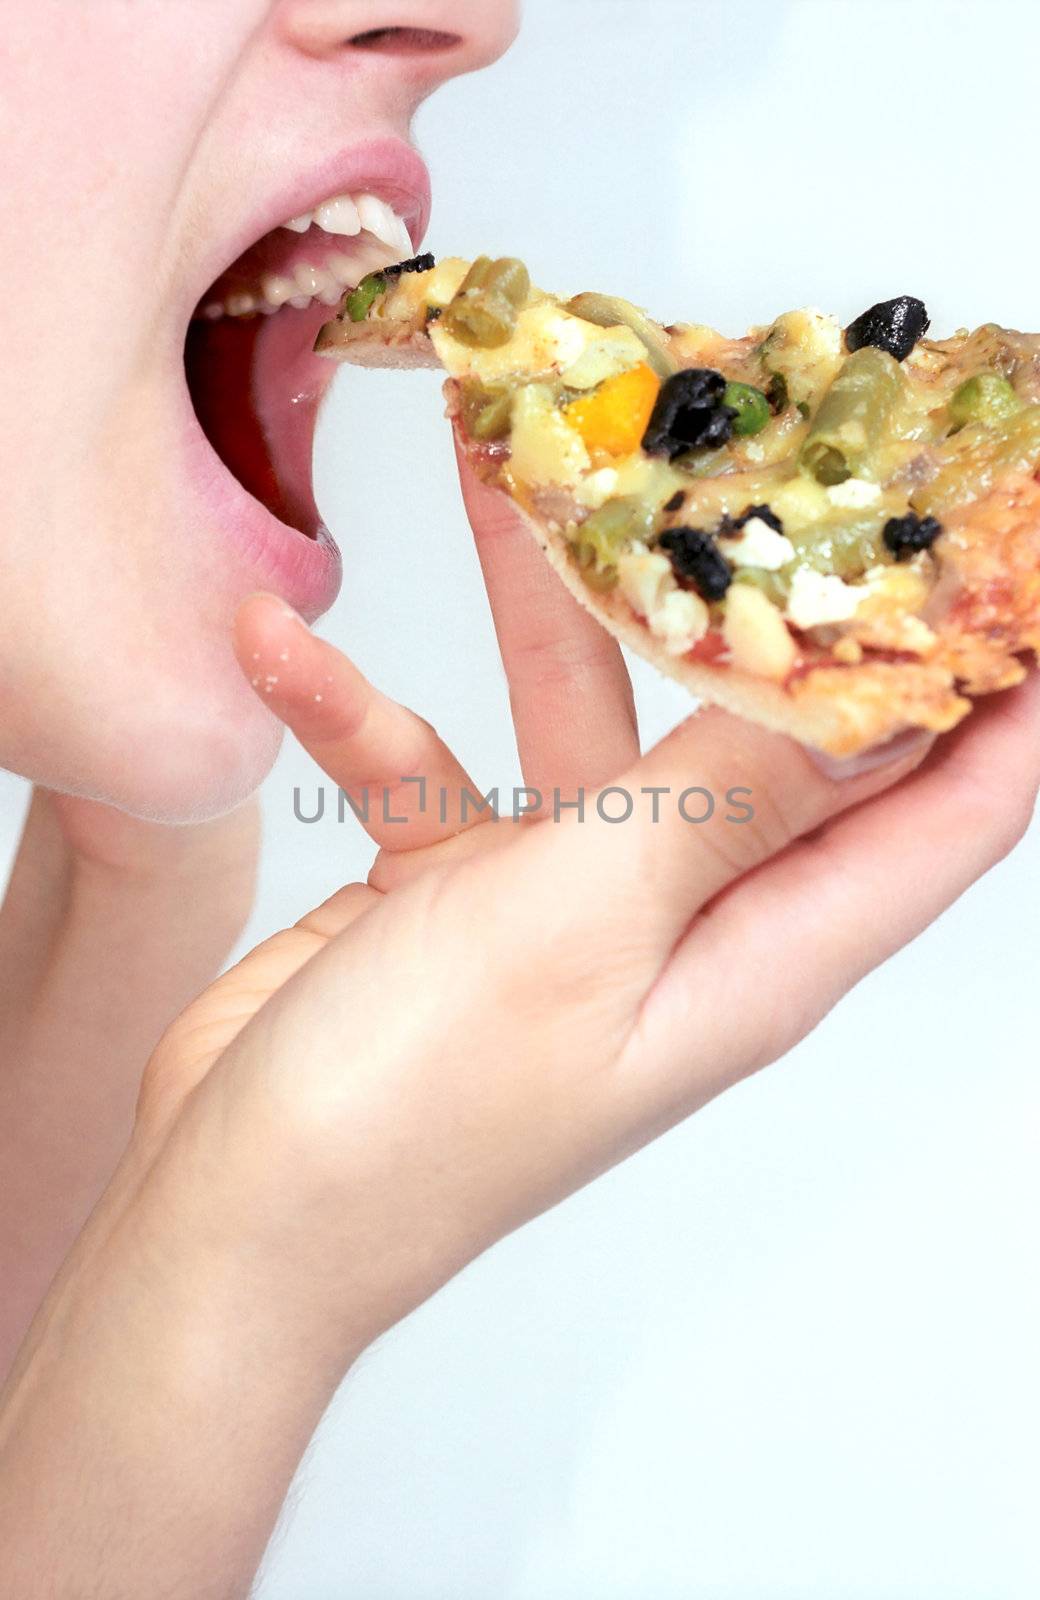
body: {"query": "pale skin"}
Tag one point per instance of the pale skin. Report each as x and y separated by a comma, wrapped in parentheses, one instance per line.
(426, 1061)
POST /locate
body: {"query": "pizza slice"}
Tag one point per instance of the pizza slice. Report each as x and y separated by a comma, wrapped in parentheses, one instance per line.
(833, 532)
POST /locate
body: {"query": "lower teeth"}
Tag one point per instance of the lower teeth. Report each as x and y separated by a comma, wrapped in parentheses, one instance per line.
(327, 283)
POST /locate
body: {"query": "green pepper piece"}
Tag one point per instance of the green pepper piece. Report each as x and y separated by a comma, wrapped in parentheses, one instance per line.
(773, 585)
(853, 416)
(359, 301)
(846, 546)
(608, 311)
(751, 406)
(987, 397)
(483, 311)
(486, 412)
(599, 578)
(972, 460)
(606, 531)
(594, 573)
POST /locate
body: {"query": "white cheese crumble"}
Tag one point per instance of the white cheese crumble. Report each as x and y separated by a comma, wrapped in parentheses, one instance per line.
(758, 545)
(677, 617)
(644, 576)
(596, 488)
(679, 620)
(817, 598)
(854, 493)
(820, 331)
(605, 352)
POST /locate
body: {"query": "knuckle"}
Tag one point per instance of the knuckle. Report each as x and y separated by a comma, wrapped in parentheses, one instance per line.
(773, 826)
(1013, 823)
(550, 658)
(991, 812)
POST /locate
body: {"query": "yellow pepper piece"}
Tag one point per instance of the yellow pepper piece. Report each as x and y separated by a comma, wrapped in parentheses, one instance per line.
(613, 419)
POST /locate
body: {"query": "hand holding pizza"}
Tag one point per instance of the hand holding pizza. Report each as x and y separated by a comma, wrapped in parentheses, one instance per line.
(373, 1097)
(504, 1010)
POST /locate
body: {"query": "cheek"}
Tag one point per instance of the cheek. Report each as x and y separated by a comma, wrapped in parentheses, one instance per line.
(117, 674)
(101, 105)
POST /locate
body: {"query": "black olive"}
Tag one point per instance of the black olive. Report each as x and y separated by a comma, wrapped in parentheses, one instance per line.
(696, 557)
(892, 325)
(688, 413)
(423, 263)
(762, 513)
(905, 536)
(676, 501)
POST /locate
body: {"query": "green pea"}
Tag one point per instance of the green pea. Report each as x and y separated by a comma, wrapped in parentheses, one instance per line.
(987, 397)
(751, 406)
(359, 301)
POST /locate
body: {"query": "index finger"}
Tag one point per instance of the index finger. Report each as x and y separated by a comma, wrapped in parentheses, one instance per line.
(406, 787)
(569, 688)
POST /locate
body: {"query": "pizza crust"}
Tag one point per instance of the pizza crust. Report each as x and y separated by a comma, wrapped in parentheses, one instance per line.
(377, 343)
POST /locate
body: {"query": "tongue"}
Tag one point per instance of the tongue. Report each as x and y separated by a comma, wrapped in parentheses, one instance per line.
(256, 386)
(289, 383)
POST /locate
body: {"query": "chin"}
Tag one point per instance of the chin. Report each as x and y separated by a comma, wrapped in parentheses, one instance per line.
(197, 772)
(180, 763)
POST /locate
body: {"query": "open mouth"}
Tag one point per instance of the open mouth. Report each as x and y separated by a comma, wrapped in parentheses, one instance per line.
(254, 381)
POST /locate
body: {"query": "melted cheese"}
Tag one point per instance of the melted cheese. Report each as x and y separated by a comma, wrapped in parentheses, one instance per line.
(547, 341)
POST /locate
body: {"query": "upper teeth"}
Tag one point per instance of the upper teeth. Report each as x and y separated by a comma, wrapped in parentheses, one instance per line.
(384, 239)
(349, 213)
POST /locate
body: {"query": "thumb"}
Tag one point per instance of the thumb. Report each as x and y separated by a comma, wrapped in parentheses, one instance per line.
(711, 802)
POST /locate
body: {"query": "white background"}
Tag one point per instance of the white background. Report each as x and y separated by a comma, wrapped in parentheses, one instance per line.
(789, 1353)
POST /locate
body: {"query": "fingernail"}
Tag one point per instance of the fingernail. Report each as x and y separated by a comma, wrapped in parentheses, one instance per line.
(900, 747)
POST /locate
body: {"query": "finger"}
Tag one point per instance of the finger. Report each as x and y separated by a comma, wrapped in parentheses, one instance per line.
(205, 1029)
(404, 784)
(812, 923)
(707, 805)
(339, 912)
(569, 688)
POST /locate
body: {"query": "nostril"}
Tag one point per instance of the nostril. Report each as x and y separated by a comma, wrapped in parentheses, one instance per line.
(405, 41)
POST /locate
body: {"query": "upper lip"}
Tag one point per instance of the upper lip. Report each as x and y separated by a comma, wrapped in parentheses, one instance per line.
(389, 167)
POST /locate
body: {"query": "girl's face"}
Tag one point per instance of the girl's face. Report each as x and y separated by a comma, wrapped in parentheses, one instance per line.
(155, 449)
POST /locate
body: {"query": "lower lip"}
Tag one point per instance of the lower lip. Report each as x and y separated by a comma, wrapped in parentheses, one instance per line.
(274, 555)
